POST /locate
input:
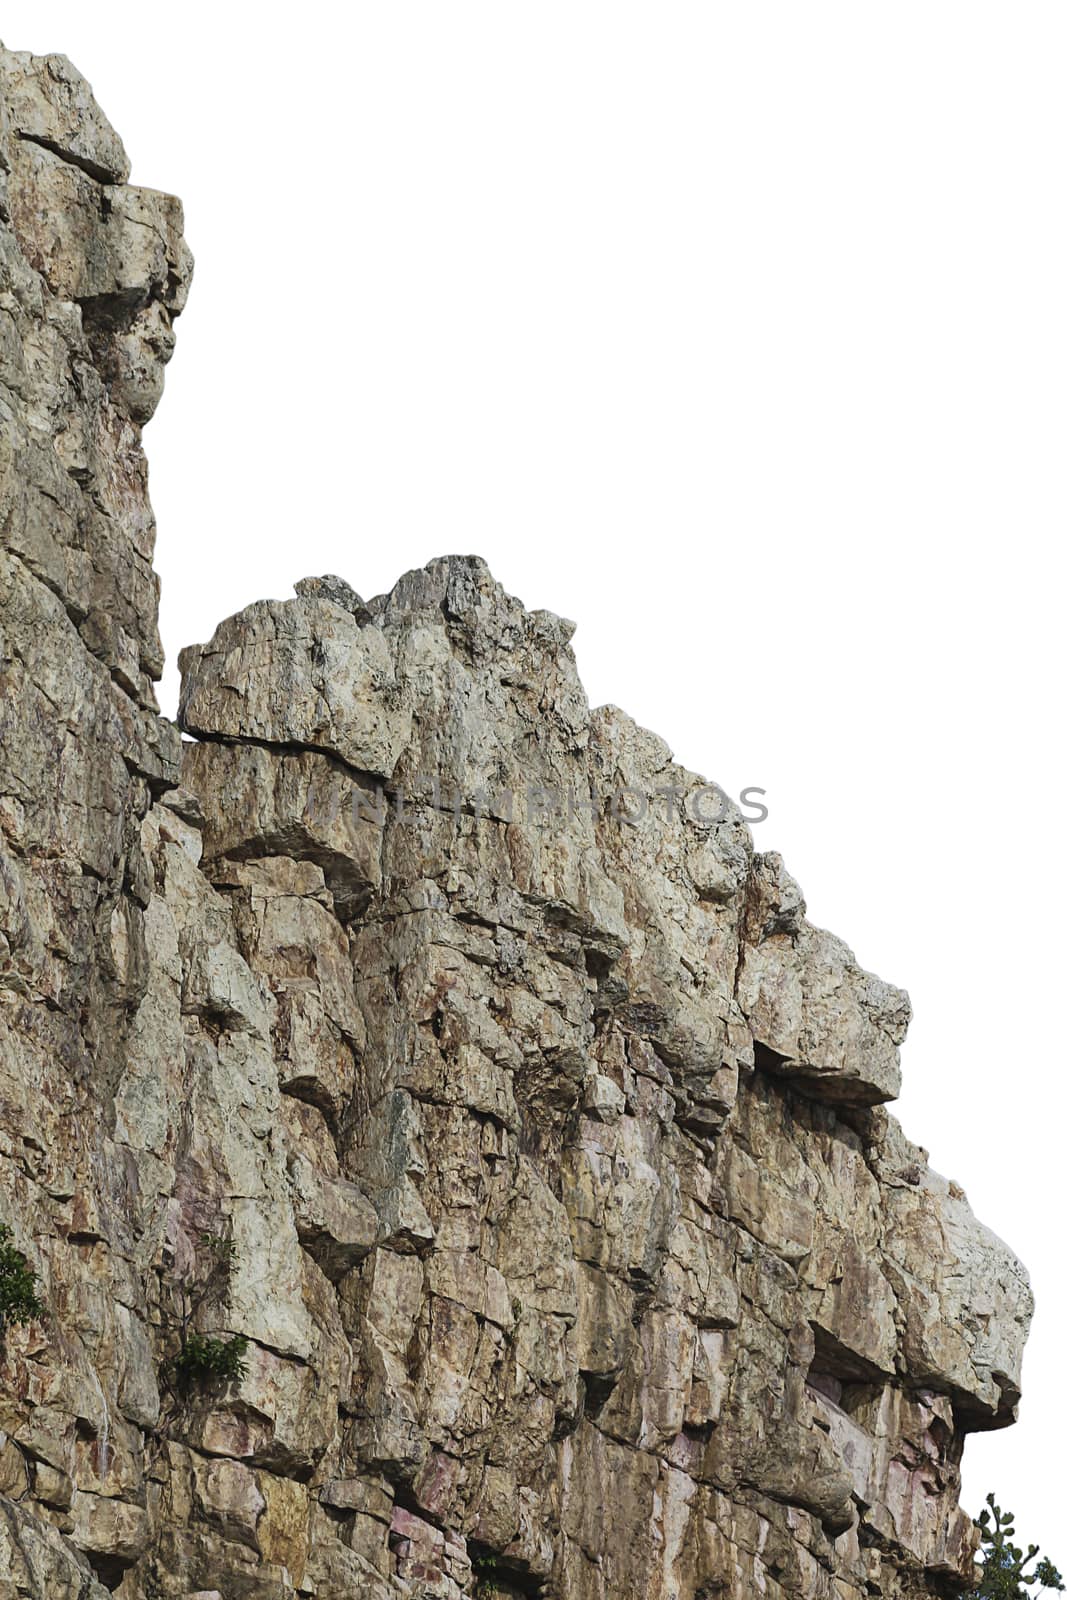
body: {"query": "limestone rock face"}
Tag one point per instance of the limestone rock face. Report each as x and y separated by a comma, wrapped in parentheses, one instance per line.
(437, 1036)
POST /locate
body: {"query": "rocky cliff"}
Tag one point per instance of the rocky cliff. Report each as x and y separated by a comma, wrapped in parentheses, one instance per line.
(427, 1052)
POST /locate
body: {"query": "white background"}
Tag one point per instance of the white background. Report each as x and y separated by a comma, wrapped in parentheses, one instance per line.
(735, 332)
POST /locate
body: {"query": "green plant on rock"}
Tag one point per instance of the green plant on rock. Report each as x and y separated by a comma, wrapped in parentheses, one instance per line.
(202, 1360)
(208, 1360)
(19, 1301)
(220, 1248)
(492, 1580)
(1003, 1570)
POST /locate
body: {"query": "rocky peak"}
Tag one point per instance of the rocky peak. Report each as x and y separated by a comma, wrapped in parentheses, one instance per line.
(450, 1161)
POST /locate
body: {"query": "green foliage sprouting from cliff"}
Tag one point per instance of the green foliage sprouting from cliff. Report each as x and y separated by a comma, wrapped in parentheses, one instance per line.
(203, 1359)
(1004, 1565)
(18, 1285)
(211, 1360)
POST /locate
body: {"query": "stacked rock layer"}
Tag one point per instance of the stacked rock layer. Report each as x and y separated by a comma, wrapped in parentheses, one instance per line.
(438, 1039)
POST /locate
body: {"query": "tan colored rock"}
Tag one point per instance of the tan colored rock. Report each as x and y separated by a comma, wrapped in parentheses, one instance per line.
(822, 1019)
(50, 103)
(228, 1495)
(300, 672)
(301, 807)
(439, 1037)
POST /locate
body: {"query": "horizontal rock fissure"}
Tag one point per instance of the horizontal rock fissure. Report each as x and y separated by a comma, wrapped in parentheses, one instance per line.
(72, 157)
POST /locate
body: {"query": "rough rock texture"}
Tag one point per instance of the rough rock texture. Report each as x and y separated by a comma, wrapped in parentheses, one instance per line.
(440, 1037)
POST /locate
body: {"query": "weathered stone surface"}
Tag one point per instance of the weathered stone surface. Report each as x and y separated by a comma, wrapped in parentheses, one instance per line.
(437, 1036)
(301, 672)
(817, 1015)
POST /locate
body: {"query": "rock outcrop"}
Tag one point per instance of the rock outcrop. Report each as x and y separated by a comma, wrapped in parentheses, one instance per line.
(438, 1039)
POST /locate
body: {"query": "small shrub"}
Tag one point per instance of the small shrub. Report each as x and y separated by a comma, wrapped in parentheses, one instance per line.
(206, 1360)
(220, 1247)
(201, 1361)
(1003, 1572)
(18, 1285)
(492, 1580)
